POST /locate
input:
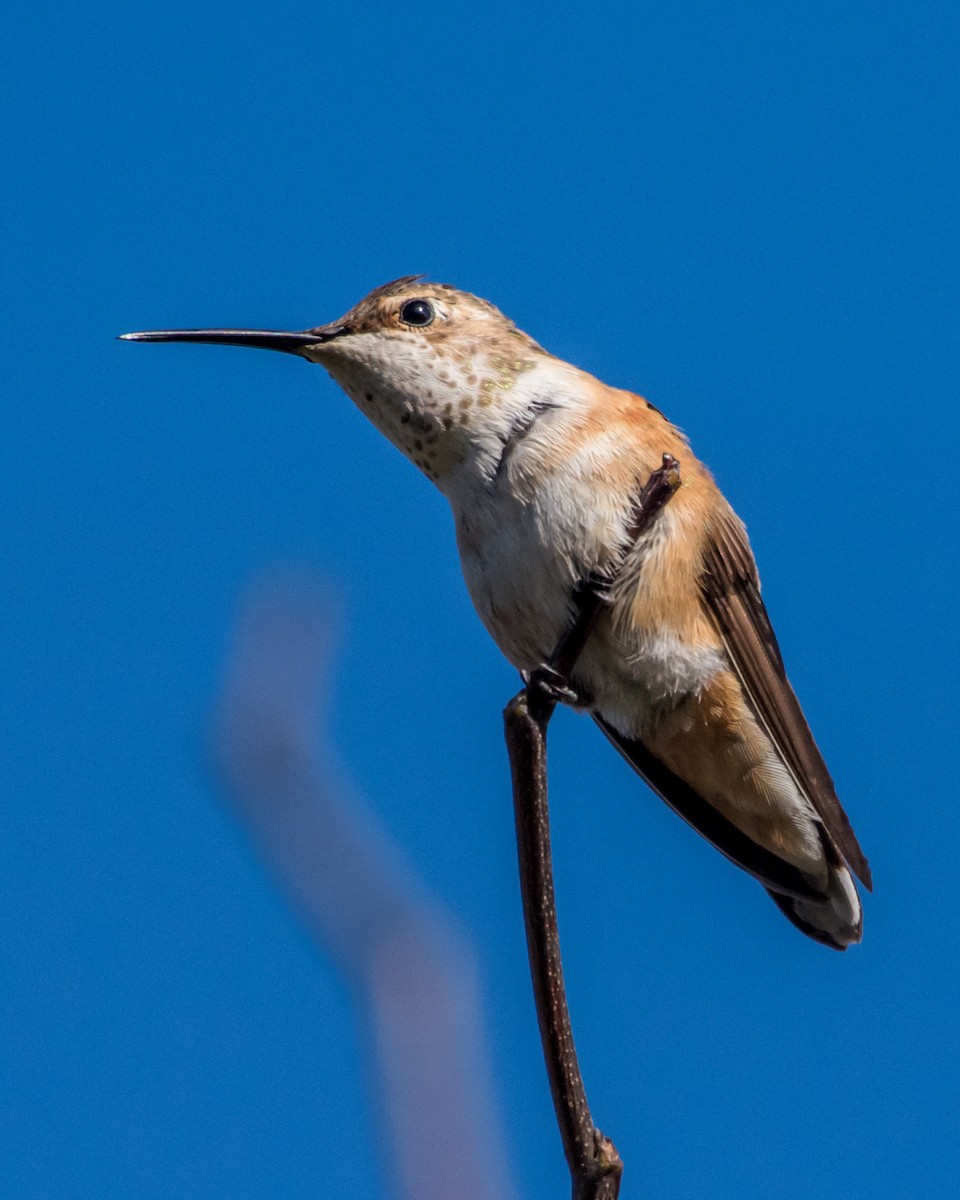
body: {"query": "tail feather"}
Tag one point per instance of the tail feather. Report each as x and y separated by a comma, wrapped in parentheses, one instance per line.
(836, 921)
(825, 909)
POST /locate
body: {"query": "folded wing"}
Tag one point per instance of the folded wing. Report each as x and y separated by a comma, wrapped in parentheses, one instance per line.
(731, 595)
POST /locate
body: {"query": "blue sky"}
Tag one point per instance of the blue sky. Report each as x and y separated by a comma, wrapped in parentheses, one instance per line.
(747, 213)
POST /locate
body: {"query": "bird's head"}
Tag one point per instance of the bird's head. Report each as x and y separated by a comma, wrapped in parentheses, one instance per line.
(434, 368)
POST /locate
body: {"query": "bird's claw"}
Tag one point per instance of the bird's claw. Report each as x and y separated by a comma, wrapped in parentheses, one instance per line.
(551, 684)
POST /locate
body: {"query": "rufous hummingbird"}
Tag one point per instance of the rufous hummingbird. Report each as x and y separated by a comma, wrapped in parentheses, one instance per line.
(541, 464)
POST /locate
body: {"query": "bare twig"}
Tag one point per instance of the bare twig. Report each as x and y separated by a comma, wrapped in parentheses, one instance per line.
(595, 1165)
(412, 970)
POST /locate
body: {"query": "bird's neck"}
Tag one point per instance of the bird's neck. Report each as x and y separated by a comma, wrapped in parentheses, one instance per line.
(517, 413)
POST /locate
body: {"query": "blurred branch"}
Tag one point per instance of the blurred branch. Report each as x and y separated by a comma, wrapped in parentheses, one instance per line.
(595, 1166)
(412, 971)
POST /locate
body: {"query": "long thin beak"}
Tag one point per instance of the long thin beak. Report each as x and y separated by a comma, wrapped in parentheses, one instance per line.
(262, 339)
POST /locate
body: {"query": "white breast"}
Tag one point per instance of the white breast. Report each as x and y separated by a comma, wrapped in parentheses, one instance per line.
(529, 533)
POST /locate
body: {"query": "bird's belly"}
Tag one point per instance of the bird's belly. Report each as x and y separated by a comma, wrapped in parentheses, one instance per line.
(523, 587)
(522, 593)
(633, 681)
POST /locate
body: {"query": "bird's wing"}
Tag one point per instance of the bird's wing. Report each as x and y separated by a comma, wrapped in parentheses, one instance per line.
(772, 871)
(731, 596)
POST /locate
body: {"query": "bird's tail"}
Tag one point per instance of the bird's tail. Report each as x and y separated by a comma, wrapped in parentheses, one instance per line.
(836, 921)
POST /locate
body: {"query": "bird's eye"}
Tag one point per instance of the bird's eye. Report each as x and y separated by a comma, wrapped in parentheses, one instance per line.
(416, 312)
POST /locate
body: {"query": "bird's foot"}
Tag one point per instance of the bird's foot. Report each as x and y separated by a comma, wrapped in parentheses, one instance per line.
(553, 686)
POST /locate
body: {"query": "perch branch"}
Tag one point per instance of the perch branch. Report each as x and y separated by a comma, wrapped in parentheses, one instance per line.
(595, 1166)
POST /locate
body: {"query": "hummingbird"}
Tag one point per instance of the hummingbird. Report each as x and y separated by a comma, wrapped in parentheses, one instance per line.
(541, 464)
